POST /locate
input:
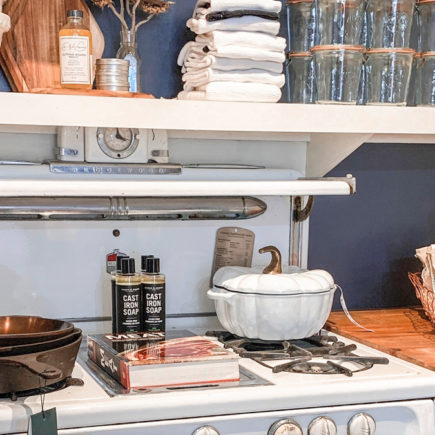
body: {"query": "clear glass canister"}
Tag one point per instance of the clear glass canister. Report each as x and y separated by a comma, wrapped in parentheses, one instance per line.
(301, 78)
(426, 93)
(388, 71)
(339, 21)
(301, 25)
(414, 81)
(426, 10)
(389, 23)
(338, 73)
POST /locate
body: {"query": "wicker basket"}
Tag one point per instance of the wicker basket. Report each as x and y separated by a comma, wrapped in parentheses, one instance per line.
(426, 296)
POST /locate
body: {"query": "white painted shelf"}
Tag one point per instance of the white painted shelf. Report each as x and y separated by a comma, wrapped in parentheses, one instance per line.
(331, 132)
(90, 111)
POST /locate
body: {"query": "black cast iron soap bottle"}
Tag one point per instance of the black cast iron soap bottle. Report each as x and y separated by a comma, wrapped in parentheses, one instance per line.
(143, 262)
(153, 297)
(113, 275)
(128, 298)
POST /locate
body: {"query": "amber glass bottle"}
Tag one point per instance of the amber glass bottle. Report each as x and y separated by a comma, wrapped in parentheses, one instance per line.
(75, 49)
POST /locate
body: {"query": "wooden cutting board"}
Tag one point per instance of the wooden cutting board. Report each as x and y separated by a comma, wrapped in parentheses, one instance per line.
(402, 332)
(29, 52)
(90, 93)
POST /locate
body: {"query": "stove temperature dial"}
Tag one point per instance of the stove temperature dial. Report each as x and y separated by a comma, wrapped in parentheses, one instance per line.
(361, 424)
(206, 430)
(322, 426)
(285, 427)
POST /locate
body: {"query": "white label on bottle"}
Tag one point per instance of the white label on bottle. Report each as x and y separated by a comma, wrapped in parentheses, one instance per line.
(75, 60)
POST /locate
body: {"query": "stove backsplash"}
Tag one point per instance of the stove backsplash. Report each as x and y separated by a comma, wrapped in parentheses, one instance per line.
(57, 269)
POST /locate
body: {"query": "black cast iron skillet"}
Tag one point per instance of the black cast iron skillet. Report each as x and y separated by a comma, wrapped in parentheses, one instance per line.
(38, 369)
(15, 330)
(40, 346)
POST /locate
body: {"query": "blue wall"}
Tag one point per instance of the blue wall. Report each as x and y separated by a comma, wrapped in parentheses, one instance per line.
(366, 241)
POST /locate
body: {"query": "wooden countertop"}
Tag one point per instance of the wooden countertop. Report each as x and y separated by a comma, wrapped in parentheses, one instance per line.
(402, 332)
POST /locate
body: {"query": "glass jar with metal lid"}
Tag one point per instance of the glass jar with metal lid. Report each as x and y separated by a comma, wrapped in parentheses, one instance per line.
(338, 72)
(389, 23)
(301, 78)
(387, 75)
(426, 9)
(426, 84)
(339, 21)
(301, 25)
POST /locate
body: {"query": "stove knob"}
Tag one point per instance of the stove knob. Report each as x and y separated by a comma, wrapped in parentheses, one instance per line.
(206, 430)
(361, 424)
(285, 427)
(322, 426)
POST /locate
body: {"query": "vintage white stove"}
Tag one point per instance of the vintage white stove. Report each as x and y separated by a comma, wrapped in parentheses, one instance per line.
(388, 399)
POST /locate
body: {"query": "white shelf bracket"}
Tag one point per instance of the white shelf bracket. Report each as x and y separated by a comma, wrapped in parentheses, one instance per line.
(327, 150)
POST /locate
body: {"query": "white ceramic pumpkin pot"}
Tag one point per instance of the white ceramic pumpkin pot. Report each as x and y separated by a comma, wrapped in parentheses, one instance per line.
(272, 306)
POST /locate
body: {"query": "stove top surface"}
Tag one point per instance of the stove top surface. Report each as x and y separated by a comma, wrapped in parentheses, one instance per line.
(319, 354)
(92, 405)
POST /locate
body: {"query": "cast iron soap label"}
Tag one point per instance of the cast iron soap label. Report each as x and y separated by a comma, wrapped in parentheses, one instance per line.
(128, 308)
(154, 306)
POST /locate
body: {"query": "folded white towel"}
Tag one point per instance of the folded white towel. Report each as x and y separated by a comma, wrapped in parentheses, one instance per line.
(240, 52)
(190, 49)
(224, 64)
(220, 38)
(247, 23)
(234, 91)
(195, 51)
(195, 79)
(234, 5)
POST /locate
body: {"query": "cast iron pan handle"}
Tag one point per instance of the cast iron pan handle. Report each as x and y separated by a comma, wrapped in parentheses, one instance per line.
(43, 370)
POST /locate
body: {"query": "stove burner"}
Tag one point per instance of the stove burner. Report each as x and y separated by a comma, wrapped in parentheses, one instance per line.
(312, 367)
(300, 353)
(64, 383)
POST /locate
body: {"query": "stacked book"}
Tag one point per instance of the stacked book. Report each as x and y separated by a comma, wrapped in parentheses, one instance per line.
(150, 361)
(236, 55)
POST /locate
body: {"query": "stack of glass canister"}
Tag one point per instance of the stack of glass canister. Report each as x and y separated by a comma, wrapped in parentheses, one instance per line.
(389, 53)
(361, 51)
(330, 30)
(301, 27)
(425, 63)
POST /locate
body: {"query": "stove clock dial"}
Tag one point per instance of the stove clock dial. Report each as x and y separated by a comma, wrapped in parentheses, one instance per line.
(322, 426)
(206, 430)
(285, 427)
(361, 424)
(118, 143)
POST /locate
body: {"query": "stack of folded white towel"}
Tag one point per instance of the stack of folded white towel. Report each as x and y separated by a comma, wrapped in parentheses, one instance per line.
(236, 55)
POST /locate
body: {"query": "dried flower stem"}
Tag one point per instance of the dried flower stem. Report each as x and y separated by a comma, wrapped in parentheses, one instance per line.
(143, 22)
(127, 7)
(120, 17)
(133, 13)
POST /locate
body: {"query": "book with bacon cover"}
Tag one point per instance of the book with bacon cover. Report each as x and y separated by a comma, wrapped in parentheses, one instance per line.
(151, 361)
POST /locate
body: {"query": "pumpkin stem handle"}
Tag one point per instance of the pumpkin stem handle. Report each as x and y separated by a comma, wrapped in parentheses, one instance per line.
(274, 267)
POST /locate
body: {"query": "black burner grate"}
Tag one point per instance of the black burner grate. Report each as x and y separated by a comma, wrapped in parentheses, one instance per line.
(299, 354)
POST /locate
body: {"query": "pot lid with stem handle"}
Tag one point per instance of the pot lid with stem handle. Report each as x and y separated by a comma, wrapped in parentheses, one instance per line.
(273, 279)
